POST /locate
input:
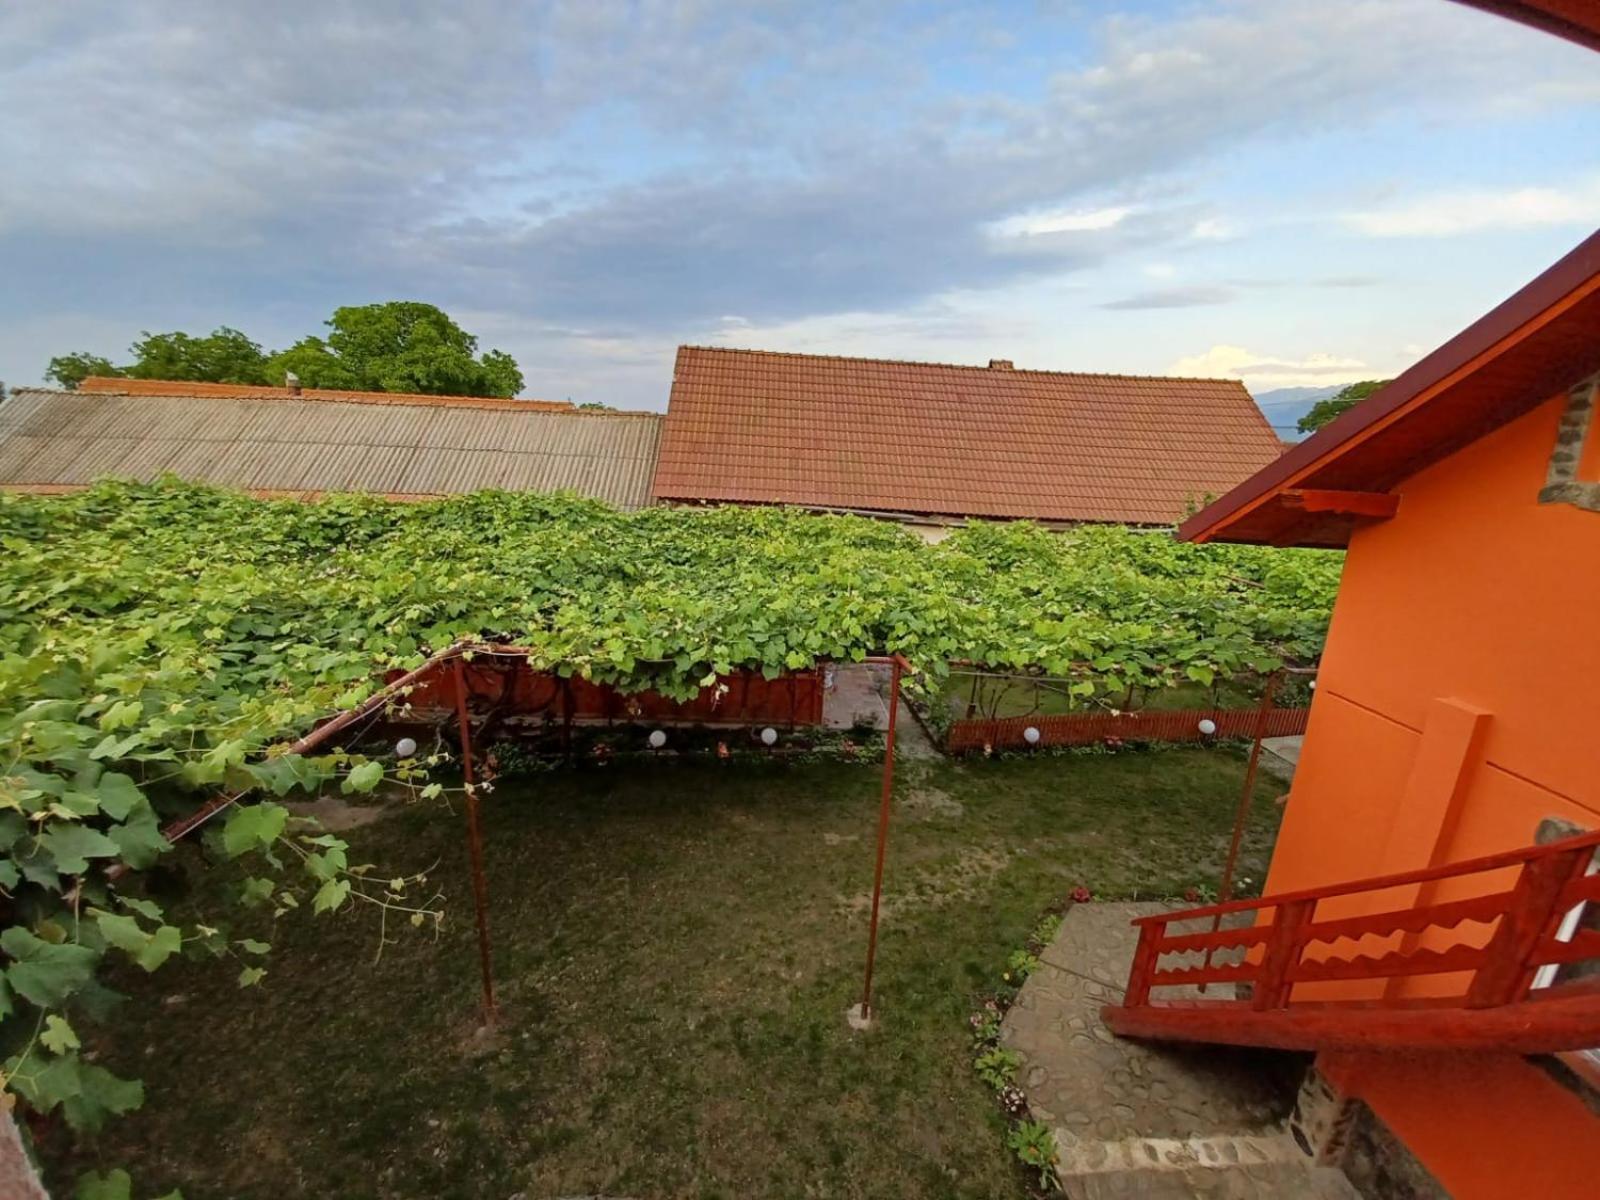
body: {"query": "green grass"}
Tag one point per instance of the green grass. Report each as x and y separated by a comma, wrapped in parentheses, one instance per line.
(675, 948)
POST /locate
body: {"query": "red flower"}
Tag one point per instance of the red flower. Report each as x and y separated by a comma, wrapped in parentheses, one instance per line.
(1191, 895)
(1082, 894)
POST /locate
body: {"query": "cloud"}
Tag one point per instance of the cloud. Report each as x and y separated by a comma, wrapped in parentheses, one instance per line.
(638, 170)
(1180, 297)
(1265, 370)
(1453, 213)
(1059, 221)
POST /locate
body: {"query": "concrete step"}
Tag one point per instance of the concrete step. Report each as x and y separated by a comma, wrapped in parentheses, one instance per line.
(1247, 1167)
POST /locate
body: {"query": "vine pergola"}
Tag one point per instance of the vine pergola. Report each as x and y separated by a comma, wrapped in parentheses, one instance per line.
(452, 660)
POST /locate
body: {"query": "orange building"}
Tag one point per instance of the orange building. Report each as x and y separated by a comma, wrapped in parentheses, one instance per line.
(1455, 714)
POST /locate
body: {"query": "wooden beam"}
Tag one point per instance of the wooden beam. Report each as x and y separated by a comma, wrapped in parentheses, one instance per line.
(1378, 506)
(1542, 1026)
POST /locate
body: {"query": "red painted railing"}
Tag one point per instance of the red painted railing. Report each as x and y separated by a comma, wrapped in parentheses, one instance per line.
(1087, 729)
(738, 698)
(1481, 994)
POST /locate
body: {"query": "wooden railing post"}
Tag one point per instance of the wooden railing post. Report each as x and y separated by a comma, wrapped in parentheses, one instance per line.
(1507, 972)
(1144, 964)
(1283, 952)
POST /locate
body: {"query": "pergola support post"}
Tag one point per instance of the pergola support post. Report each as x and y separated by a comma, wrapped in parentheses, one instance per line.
(480, 887)
(895, 664)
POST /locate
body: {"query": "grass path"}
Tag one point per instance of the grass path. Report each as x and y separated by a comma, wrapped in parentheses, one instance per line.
(675, 950)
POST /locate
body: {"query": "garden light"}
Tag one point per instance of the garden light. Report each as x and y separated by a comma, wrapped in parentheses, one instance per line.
(769, 736)
(405, 747)
(658, 739)
(1208, 726)
(1031, 735)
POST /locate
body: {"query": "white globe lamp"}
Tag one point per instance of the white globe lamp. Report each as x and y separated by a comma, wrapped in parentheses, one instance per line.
(657, 739)
(769, 736)
(1031, 735)
(1208, 726)
(405, 747)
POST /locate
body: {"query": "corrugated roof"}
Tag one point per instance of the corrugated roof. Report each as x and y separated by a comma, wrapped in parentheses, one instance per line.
(118, 385)
(754, 426)
(54, 440)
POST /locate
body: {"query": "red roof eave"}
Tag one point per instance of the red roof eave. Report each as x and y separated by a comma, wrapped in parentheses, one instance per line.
(1576, 20)
(1565, 293)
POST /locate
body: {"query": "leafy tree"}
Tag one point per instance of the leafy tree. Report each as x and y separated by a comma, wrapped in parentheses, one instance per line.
(224, 356)
(399, 346)
(1326, 410)
(311, 362)
(69, 370)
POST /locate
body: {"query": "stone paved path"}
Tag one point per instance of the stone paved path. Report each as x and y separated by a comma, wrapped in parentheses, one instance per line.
(1132, 1118)
(859, 695)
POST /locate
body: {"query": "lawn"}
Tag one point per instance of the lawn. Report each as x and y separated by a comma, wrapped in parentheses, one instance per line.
(675, 948)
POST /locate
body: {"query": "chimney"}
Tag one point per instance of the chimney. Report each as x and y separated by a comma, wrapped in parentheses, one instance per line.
(292, 382)
(1002, 364)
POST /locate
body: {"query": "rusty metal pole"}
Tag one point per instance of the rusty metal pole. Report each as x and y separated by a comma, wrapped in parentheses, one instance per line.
(1225, 887)
(883, 831)
(480, 889)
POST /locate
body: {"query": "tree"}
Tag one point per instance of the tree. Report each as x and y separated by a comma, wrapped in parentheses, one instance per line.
(225, 356)
(69, 370)
(398, 346)
(1326, 410)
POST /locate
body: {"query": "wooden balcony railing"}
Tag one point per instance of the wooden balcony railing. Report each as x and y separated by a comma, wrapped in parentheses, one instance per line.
(1493, 1003)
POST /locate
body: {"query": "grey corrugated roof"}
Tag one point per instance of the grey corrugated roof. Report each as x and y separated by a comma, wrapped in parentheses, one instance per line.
(70, 439)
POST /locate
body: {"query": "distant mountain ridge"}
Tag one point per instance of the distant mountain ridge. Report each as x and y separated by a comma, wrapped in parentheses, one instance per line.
(1283, 407)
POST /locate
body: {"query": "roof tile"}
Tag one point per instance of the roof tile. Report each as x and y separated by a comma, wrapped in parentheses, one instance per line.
(819, 431)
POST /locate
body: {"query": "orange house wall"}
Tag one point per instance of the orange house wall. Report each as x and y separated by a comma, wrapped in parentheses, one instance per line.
(1457, 707)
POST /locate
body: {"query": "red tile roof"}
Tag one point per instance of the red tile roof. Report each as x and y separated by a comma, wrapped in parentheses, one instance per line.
(754, 426)
(110, 384)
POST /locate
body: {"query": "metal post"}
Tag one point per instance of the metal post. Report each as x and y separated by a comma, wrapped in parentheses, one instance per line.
(1225, 888)
(883, 831)
(480, 897)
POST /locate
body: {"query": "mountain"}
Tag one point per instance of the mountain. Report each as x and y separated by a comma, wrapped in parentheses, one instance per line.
(1283, 407)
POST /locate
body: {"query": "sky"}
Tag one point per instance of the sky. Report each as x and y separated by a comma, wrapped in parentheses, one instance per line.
(1289, 192)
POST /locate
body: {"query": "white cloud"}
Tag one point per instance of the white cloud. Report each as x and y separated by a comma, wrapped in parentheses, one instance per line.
(1060, 220)
(1159, 270)
(1452, 213)
(1212, 229)
(1265, 370)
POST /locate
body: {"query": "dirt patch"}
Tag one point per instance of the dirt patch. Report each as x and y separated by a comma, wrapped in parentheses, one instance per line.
(932, 801)
(336, 815)
(960, 877)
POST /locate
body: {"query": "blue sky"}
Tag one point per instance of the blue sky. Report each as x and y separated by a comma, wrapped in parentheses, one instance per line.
(1291, 192)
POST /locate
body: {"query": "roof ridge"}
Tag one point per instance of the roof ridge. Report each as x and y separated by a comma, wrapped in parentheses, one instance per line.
(185, 389)
(554, 408)
(918, 362)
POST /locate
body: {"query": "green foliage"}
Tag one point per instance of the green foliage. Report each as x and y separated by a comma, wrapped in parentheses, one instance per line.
(69, 370)
(1035, 1145)
(114, 1185)
(1045, 931)
(400, 346)
(223, 356)
(997, 1067)
(163, 642)
(1324, 411)
(1019, 966)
